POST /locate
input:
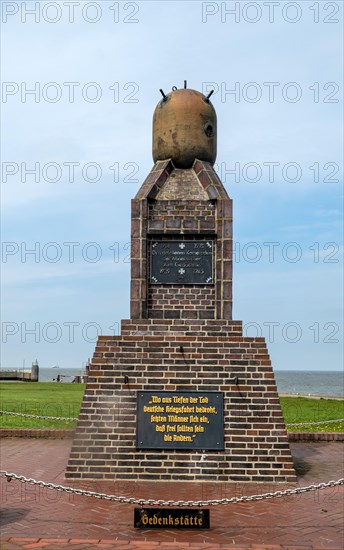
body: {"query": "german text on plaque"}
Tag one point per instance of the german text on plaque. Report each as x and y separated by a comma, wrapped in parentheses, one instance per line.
(180, 420)
(178, 262)
(185, 518)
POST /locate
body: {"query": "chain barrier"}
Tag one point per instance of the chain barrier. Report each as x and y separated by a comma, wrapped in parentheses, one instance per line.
(72, 419)
(180, 503)
(36, 416)
(312, 423)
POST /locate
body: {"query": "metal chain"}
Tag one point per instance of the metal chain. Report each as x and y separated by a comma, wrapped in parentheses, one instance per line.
(36, 416)
(312, 423)
(72, 419)
(181, 503)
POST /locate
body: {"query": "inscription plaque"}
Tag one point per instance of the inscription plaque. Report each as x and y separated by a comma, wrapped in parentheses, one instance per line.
(157, 518)
(182, 262)
(180, 420)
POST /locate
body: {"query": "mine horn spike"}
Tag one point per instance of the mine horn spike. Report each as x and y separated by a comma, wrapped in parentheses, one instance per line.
(185, 84)
(163, 95)
(208, 96)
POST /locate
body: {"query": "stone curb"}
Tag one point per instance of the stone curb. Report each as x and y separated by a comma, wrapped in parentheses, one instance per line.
(315, 436)
(57, 433)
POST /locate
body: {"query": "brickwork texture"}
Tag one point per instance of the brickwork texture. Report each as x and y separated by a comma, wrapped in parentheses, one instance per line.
(214, 357)
(184, 204)
(181, 337)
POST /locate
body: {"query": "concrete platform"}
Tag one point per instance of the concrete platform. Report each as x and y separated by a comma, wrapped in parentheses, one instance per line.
(33, 517)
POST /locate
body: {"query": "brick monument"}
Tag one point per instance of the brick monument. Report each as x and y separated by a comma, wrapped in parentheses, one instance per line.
(181, 394)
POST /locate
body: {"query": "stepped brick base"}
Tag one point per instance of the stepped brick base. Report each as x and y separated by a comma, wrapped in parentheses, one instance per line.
(213, 357)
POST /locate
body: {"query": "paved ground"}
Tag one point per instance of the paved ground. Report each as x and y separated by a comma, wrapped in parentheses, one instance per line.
(34, 517)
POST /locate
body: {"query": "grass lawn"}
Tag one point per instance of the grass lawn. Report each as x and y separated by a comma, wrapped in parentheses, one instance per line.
(64, 400)
(42, 399)
(302, 409)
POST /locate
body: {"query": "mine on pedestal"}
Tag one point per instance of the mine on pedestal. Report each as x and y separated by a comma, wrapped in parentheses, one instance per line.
(181, 394)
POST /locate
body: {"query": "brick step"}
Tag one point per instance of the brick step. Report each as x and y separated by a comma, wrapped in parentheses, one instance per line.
(176, 349)
(186, 327)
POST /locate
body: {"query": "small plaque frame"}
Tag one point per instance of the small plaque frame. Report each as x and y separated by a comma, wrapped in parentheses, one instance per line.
(182, 262)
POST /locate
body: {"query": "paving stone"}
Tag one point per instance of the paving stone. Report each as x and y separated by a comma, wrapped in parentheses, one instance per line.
(32, 515)
(83, 541)
(40, 544)
(24, 539)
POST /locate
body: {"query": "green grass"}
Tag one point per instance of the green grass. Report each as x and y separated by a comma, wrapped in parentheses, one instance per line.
(302, 409)
(64, 400)
(42, 399)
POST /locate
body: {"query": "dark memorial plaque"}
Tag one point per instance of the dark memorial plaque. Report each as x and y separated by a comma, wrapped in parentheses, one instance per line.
(157, 518)
(180, 420)
(178, 262)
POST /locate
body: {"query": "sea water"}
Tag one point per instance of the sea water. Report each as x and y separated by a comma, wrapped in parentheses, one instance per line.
(302, 382)
(310, 382)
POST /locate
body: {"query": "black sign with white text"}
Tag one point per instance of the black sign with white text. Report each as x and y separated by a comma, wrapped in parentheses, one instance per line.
(178, 262)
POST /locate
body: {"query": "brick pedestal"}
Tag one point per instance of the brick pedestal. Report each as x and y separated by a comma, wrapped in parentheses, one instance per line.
(215, 355)
(181, 338)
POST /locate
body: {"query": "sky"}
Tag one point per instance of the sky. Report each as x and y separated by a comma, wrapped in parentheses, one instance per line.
(80, 82)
